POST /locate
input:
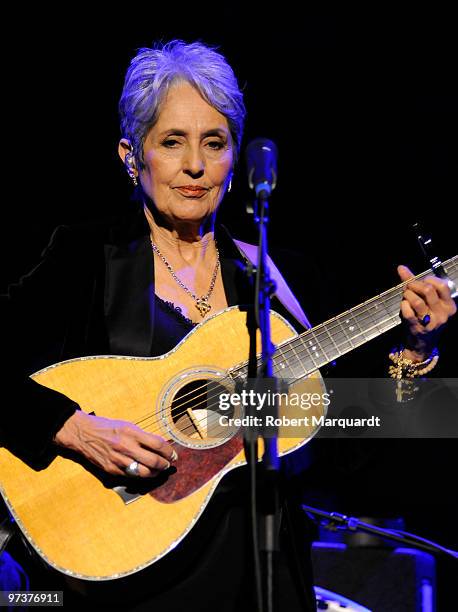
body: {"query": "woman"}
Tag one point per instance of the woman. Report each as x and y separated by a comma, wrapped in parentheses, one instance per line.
(138, 289)
(181, 145)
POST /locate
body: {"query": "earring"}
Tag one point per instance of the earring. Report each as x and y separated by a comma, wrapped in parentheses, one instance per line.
(130, 163)
(229, 186)
(132, 177)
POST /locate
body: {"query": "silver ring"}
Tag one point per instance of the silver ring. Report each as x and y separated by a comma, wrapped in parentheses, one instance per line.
(132, 469)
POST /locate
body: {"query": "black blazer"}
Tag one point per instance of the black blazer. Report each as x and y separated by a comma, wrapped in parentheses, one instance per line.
(92, 293)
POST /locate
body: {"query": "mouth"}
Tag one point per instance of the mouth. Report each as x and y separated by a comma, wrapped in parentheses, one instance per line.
(192, 191)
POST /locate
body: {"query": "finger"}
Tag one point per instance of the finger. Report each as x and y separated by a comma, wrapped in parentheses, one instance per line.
(151, 460)
(117, 463)
(408, 313)
(405, 273)
(157, 444)
(440, 284)
(414, 321)
(123, 461)
(442, 289)
(129, 433)
(417, 303)
(426, 291)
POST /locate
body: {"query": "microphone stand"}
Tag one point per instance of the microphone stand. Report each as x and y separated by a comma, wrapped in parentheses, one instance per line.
(262, 378)
(334, 520)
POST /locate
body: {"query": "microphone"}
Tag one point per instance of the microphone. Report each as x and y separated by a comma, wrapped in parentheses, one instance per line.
(261, 157)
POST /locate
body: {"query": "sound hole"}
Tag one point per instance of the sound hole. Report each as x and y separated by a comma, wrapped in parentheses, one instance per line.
(199, 411)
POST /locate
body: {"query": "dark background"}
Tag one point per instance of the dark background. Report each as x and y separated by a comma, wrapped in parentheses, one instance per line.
(363, 109)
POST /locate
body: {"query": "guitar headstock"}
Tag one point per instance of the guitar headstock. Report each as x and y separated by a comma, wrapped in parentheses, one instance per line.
(425, 242)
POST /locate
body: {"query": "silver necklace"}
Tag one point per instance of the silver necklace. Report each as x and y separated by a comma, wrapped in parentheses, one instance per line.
(202, 303)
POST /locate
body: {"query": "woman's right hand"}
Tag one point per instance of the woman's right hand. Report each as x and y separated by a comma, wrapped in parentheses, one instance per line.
(114, 444)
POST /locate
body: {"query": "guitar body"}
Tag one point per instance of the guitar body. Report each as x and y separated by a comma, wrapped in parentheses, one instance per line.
(97, 528)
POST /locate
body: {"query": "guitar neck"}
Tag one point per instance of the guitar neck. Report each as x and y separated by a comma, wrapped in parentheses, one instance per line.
(326, 342)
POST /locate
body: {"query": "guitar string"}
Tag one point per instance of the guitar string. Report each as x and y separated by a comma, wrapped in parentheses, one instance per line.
(307, 350)
(326, 333)
(329, 328)
(153, 420)
(209, 418)
(299, 340)
(298, 354)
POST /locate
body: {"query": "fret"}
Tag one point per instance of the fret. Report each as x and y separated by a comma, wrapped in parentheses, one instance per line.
(338, 352)
(347, 337)
(392, 310)
(307, 344)
(285, 360)
(375, 312)
(307, 355)
(295, 363)
(368, 332)
(280, 362)
(392, 302)
(316, 350)
(349, 323)
(388, 309)
(346, 332)
(287, 363)
(390, 323)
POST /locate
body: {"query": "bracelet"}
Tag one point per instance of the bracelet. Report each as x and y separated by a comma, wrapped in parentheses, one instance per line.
(406, 368)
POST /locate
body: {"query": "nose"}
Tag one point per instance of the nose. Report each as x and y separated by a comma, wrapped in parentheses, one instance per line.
(193, 161)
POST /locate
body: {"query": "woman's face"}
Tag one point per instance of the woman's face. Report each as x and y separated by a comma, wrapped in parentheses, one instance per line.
(188, 156)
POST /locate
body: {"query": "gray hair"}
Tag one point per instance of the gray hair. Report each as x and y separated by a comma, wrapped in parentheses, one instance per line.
(154, 70)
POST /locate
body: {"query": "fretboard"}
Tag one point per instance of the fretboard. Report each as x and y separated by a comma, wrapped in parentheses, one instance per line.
(326, 342)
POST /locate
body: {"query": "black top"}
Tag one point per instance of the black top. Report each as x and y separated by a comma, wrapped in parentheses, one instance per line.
(170, 326)
(92, 293)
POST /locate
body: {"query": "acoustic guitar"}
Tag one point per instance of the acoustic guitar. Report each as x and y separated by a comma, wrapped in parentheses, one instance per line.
(93, 526)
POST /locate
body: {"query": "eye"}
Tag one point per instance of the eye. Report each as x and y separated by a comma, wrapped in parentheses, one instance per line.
(216, 145)
(170, 143)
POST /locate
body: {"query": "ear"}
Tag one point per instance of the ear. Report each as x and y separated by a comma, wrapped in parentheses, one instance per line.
(124, 147)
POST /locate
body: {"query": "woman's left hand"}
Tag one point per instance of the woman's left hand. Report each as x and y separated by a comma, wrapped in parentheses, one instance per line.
(431, 298)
